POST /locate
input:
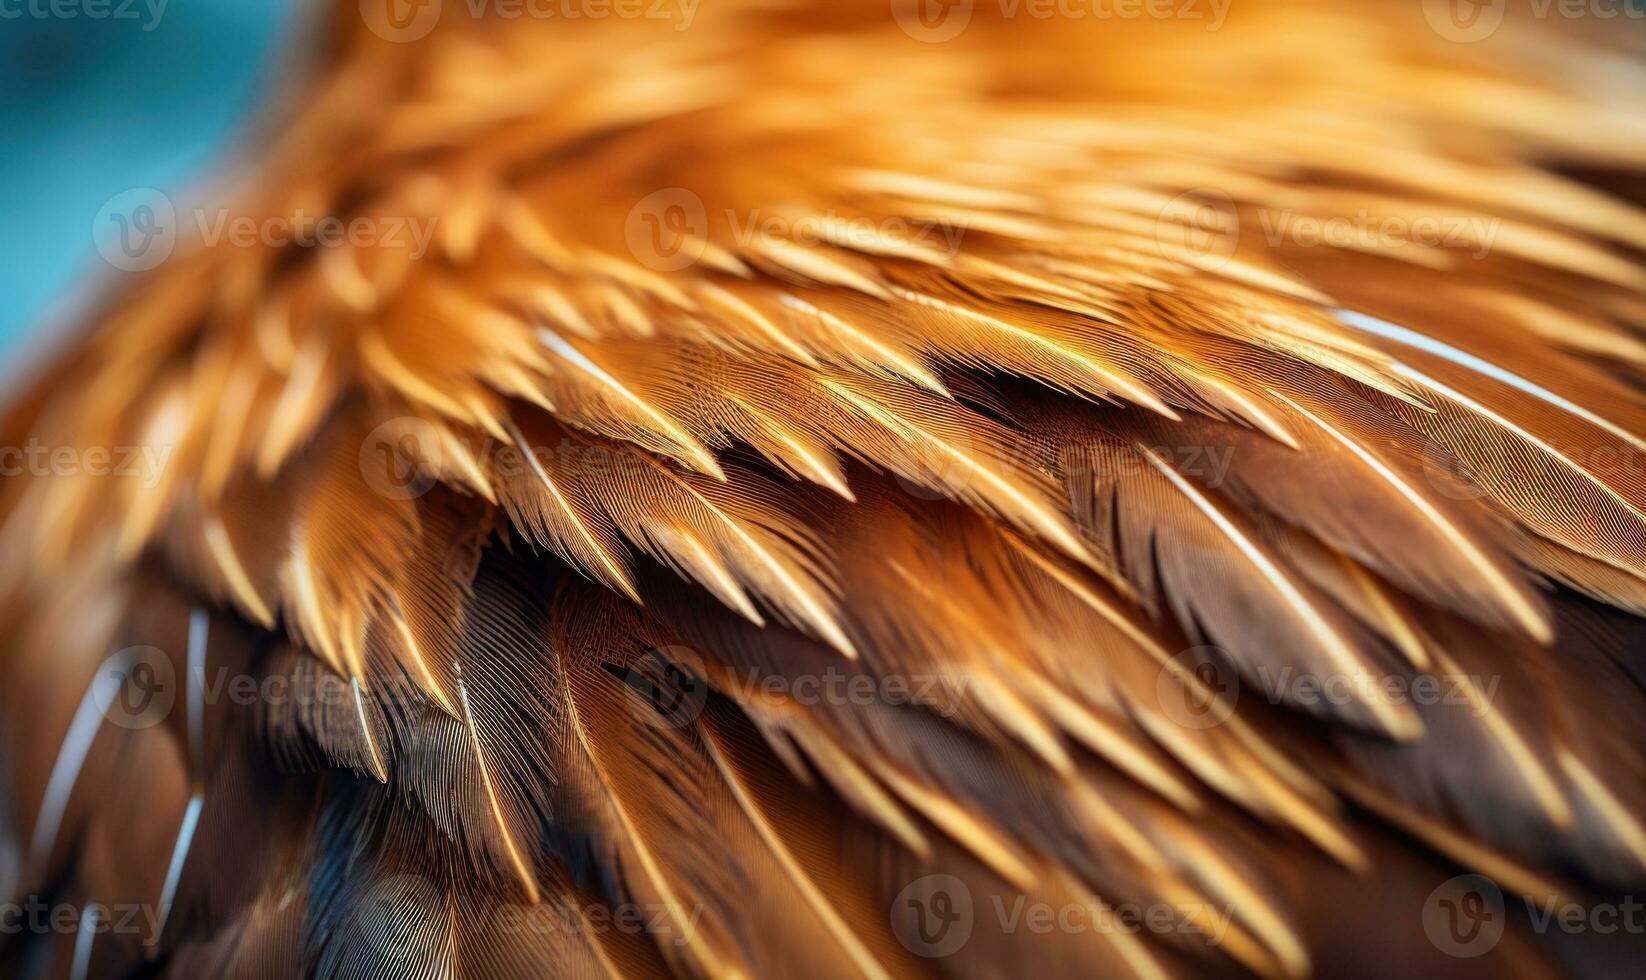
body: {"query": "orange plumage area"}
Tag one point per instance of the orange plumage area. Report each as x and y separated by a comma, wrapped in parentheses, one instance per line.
(750, 489)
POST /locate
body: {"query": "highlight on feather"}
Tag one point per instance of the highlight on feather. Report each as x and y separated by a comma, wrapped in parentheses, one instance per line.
(830, 499)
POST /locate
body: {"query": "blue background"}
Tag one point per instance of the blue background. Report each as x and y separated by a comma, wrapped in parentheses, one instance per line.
(91, 107)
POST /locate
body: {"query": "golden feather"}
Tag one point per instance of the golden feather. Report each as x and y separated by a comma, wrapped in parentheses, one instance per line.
(783, 474)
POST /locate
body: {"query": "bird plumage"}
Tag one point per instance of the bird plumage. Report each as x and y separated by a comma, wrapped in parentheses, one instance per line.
(760, 462)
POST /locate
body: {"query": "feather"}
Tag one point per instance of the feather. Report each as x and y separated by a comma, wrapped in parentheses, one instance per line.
(772, 481)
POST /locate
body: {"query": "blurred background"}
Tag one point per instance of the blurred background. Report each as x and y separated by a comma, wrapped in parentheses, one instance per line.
(101, 96)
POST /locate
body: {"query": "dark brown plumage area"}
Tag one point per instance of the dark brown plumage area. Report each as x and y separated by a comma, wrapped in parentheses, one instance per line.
(802, 489)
